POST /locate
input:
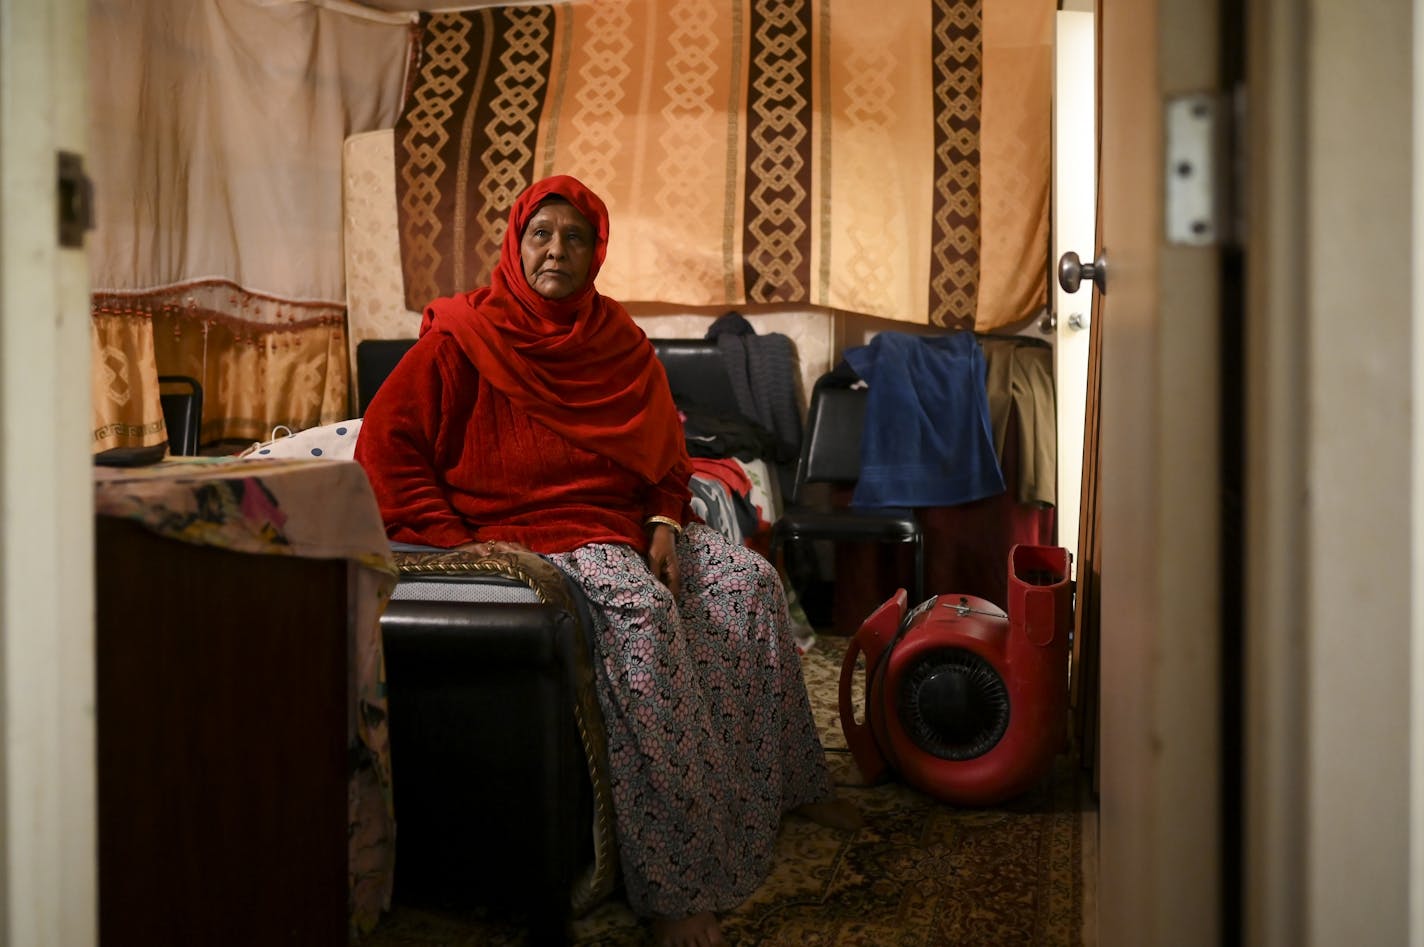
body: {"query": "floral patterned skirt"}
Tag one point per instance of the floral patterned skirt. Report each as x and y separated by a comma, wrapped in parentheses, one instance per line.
(710, 735)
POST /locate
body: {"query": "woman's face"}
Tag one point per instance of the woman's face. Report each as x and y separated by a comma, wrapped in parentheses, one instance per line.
(556, 250)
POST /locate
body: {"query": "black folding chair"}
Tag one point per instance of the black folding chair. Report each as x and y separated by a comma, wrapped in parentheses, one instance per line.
(830, 453)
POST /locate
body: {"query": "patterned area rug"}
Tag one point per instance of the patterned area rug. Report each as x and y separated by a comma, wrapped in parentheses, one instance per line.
(919, 872)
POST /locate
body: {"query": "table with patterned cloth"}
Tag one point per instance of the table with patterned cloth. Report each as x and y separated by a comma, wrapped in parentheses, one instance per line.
(311, 510)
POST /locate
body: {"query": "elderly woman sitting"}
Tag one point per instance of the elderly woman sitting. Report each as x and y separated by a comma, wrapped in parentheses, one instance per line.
(533, 415)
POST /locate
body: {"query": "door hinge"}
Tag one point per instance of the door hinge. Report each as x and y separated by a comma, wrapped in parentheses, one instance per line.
(76, 200)
(1203, 169)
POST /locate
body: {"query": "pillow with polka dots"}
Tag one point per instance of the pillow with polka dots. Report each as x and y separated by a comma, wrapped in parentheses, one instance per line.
(330, 441)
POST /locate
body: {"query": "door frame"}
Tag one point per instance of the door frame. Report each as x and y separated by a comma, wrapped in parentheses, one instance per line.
(1335, 493)
(48, 887)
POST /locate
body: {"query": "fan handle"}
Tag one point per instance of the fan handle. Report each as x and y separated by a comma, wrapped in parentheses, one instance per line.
(872, 638)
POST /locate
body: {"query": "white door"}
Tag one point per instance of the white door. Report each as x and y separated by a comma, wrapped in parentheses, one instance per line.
(1074, 229)
(47, 803)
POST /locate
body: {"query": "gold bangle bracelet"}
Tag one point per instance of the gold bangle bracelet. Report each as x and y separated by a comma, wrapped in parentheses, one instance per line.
(665, 521)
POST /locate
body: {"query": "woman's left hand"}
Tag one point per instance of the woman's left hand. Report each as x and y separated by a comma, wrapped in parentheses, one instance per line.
(662, 557)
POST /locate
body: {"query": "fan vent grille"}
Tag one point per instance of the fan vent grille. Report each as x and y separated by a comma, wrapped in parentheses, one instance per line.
(953, 704)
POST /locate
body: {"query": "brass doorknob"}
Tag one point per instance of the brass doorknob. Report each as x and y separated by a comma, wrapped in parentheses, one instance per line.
(1072, 271)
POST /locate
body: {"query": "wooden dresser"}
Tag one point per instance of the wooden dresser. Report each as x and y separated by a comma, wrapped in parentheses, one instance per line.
(225, 680)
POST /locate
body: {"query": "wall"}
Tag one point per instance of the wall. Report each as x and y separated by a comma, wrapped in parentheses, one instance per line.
(1359, 455)
(376, 297)
(1335, 480)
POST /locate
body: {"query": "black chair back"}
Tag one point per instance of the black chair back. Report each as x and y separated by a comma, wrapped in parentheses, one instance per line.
(830, 446)
(830, 454)
(182, 413)
(374, 360)
(697, 374)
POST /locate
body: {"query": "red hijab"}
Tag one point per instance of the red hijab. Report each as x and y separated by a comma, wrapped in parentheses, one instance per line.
(580, 365)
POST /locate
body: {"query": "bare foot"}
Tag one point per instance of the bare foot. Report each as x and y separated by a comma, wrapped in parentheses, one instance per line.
(832, 813)
(699, 930)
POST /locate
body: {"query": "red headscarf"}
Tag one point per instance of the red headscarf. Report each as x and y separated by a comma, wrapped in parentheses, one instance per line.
(580, 365)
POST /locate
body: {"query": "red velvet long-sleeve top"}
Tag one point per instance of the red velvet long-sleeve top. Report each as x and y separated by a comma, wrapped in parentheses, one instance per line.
(451, 462)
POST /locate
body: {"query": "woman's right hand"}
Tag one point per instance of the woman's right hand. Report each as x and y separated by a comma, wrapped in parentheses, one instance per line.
(662, 558)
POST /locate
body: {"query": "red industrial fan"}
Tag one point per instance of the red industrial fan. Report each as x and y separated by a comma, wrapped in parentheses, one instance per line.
(967, 703)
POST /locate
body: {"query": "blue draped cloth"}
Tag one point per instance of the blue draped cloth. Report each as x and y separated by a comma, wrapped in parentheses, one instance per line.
(927, 440)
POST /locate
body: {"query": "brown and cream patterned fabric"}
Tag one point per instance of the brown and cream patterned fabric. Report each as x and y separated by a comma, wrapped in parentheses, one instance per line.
(756, 152)
(262, 361)
(375, 294)
(124, 391)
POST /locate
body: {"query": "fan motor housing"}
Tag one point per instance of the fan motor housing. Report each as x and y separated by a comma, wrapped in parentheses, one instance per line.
(968, 703)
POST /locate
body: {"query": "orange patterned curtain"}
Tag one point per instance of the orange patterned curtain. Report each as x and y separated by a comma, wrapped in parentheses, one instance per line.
(884, 158)
(262, 361)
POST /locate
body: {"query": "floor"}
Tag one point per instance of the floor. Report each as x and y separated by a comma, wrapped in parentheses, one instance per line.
(897, 851)
(1090, 876)
(816, 611)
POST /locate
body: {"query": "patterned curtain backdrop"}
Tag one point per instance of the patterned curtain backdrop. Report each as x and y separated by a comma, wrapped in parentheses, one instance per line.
(216, 131)
(883, 158)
